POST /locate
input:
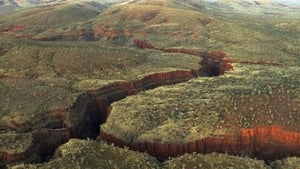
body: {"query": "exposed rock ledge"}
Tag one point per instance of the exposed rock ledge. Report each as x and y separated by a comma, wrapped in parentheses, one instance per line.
(268, 143)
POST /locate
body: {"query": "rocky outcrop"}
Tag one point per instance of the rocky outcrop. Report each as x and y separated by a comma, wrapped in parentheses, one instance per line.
(268, 143)
(90, 109)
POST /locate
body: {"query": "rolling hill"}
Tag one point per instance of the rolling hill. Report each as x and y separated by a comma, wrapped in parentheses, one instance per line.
(10, 6)
(240, 28)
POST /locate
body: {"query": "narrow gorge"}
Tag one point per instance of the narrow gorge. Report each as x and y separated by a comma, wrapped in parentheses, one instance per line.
(92, 108)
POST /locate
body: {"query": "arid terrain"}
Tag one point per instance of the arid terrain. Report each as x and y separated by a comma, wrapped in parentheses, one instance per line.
(149, 84)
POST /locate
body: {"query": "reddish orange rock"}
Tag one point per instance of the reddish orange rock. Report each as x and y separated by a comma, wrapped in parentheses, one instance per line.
(268, 143)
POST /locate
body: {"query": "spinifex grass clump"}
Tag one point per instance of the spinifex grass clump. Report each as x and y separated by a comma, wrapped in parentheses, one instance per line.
(13, 143)
(213, 161)
(290, 163)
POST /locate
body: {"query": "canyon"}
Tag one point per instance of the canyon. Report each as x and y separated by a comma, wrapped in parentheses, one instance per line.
(65, 65)
(93, 107)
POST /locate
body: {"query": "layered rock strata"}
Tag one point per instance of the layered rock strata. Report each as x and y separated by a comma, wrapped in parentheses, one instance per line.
(268, 143)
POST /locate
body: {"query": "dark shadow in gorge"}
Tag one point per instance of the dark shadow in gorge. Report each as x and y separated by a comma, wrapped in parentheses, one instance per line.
(91, 108)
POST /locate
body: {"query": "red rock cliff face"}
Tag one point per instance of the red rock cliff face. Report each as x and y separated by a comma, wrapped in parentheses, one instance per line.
(268, 143)
(271, 142)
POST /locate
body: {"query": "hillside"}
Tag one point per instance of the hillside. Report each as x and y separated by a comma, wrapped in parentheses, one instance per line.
(10, 6)
(241, 29)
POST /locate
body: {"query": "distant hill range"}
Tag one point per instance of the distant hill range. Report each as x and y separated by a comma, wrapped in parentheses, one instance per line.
(8, 6)
(207, 24)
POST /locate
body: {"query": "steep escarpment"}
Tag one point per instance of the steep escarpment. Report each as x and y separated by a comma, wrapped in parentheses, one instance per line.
(267, 143)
